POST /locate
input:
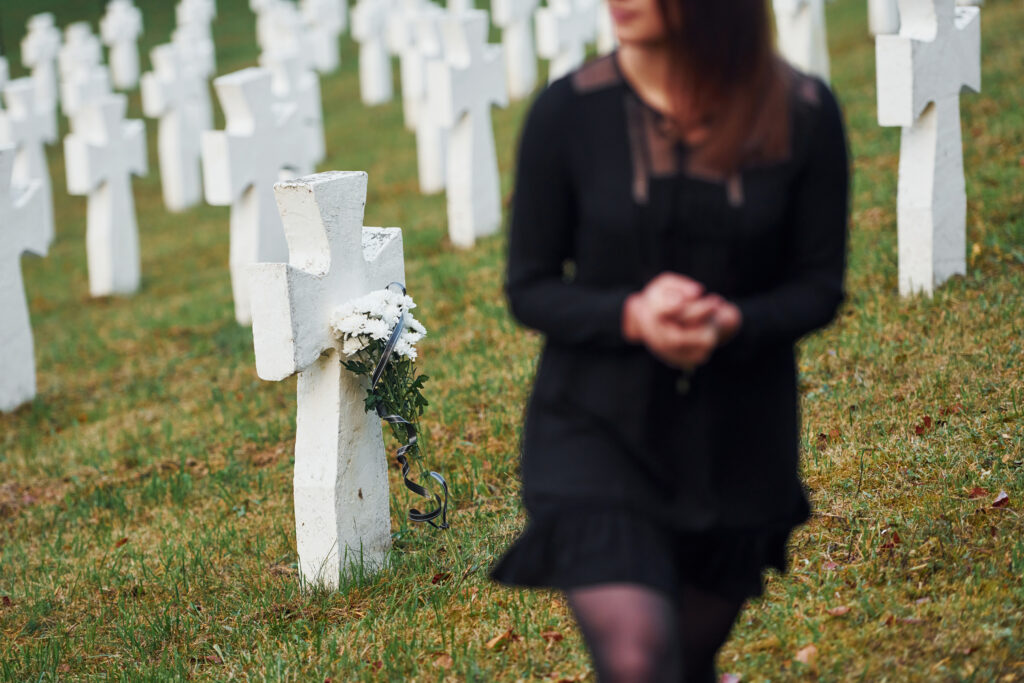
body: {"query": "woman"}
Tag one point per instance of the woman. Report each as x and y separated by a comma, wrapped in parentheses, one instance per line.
(679, 222)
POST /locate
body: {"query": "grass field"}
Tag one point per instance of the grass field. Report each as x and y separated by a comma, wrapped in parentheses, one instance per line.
(146, 527)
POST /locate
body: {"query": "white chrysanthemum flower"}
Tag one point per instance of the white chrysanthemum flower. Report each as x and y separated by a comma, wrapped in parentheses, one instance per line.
(372, 318)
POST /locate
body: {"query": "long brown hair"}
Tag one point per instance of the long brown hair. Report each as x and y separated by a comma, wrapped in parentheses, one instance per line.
(727, 74)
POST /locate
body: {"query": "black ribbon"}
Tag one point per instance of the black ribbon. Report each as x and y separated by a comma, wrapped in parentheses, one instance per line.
(441, 509)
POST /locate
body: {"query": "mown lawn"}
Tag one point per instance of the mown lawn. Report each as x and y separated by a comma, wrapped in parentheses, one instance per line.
(146, 528)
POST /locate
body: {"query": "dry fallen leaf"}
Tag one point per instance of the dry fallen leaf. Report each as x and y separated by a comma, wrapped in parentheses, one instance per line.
(839, 611)
(807, 654)
(1002, 500)
(444, 661)
(6, 601)
(978, 492)
(121, 542)
(924, 425)
(441, 577)
(501, 638)
(552, 636)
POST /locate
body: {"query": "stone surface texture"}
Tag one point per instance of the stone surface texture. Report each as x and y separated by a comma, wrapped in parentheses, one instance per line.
(340, 482)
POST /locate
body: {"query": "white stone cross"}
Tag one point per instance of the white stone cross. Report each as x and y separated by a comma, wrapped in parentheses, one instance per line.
(299, 86)
(84, 88)
(261, 144)
(102, 154)
(340, 483)
(401, 34)
(564, 28)
(325, 21)
(171, 93)
(460, 6)
(515, 19)
(921, 73)
(369, 29)
(20, 207)
(27, 128)
(280, 28)
(431, 134)
(195, 19)
(120, 29)
(465, 86)
(80, 52)
(802, 36)
(39, 50)
(883, 17)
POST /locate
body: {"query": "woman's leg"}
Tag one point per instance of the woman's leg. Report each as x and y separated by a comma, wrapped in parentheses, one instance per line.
(705, 621)
(630, 631)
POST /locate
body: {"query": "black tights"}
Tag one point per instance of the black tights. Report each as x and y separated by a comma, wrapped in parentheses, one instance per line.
(637, 635)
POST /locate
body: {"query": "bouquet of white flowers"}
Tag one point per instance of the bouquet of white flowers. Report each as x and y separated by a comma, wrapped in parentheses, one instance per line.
(378, 338)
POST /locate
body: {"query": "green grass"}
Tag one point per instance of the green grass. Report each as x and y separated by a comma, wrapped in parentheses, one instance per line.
(146, 528)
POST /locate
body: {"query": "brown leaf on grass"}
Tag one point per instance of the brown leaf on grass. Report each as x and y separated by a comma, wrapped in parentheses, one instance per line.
(502, 639)
(378, 665)
(978, 492)
(121, 542)
(923, 426)
(552, 636)
(912, 620)
(838, 611)
(443, 661)
(951, 410)
(892, 542)
(807, 654)
(440, 577)
(6, 601)
(831, 566)
(1002, 500)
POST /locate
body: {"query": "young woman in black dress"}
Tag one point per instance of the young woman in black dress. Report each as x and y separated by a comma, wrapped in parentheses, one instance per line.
(679, 222)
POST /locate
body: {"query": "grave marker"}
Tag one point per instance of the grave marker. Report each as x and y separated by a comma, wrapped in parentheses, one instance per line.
(262, 143)
(20, 207)
(401, 34)
(921, 73)
(430, 133)
(802, 37)
(102, 154)
(515, 19)
(340, 482)
(299, 86)
(325, 21)
(28, 129)
(883, 17)
(564, 28)
(466, 86)
(171, 93)
(369, 27)
(120, 28)
(39, 50)
(195, 23)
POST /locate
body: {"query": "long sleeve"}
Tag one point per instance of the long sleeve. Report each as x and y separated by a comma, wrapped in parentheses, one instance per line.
(813, 288)
(544, 218)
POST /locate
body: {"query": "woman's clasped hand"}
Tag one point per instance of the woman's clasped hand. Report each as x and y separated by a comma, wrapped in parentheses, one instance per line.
(678, 321)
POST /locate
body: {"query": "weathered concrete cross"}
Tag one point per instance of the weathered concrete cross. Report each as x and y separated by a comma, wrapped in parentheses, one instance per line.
(297, 84)
(102, 154)
(921, 72)
(262, 143)
(341, 484)
(172, 92)
(28, 128)
(465, 86)
(515, 19)
(325, 21)
(120, 29)
(20, 207)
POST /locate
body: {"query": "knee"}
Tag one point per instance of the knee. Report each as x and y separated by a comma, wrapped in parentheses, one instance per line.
(638, 664)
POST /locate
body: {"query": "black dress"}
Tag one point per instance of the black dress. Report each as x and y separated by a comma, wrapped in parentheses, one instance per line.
(634, 471)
